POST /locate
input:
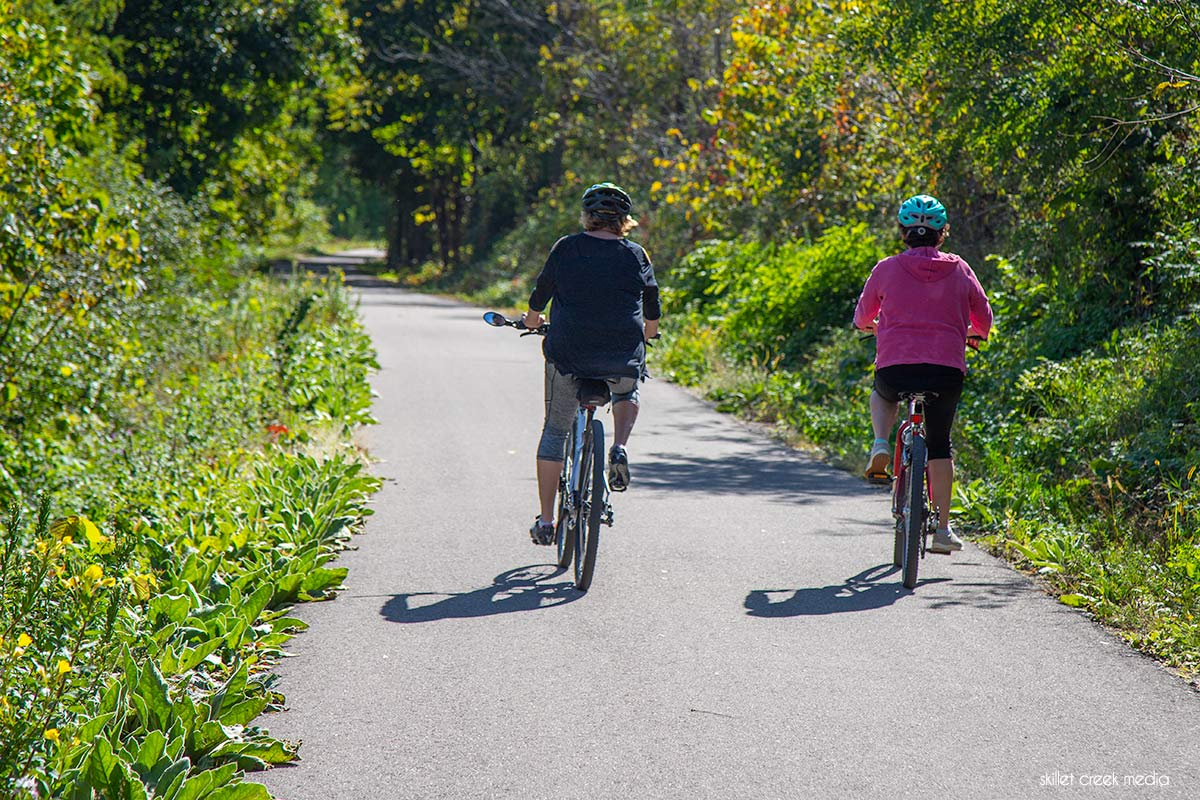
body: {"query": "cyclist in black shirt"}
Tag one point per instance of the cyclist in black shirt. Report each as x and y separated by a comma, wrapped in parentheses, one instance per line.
(604, 307)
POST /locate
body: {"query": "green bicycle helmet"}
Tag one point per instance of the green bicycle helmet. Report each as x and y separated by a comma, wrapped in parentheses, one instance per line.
(922, 210)
(607, 200)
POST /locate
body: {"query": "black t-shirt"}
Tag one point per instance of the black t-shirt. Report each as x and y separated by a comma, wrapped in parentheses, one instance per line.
(601, 290)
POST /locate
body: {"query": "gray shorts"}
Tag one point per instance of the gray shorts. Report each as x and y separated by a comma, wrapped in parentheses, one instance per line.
(562, 402)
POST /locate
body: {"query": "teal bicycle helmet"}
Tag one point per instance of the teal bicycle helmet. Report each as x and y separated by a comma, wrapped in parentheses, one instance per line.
(922, 210)
(607, 200)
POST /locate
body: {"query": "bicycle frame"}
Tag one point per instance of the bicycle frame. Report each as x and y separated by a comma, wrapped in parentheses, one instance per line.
(901, 456)
(577, 472)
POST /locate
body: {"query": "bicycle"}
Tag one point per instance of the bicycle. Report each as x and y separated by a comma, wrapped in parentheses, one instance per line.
(912, 497)
(583, 492)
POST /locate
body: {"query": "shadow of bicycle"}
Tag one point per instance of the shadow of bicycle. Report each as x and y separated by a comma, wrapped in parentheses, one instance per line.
(526, 588)
(861, 592)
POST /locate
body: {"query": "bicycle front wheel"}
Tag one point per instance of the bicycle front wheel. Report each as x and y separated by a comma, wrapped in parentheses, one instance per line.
(914, 511)
(590, 508)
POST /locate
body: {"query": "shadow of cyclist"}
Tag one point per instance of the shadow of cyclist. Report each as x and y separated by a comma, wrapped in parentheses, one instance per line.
(862, 592)
(521, 589)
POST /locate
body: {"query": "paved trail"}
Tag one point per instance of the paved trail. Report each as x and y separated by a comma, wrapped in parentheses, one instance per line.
(744, 636)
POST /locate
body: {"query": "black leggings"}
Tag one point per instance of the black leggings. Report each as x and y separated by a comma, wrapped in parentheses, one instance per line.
(946, 382)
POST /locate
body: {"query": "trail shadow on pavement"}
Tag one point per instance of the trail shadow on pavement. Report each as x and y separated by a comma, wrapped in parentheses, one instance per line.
(862, 592)
(522, 589)
(981, 595)
(789, 480)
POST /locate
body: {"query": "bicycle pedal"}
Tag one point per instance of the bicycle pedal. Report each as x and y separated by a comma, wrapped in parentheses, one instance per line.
(879, 478)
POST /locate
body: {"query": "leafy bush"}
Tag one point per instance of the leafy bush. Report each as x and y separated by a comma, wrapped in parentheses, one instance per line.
(772, 303)
(133, 649)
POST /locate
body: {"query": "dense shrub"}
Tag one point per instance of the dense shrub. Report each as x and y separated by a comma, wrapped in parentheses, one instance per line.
(772, 303)
(140, 608)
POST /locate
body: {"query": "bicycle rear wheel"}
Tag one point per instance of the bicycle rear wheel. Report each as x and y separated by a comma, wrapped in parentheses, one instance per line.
(591, 506)
(564, 532)
(914, 511)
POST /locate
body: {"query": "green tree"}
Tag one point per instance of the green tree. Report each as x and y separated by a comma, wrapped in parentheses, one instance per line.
(226, 97)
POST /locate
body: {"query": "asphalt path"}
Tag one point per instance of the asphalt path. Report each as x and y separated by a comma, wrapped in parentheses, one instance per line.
(744, 637)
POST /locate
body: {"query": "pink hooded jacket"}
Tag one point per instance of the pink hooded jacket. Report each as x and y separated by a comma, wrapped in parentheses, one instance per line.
(924, 300)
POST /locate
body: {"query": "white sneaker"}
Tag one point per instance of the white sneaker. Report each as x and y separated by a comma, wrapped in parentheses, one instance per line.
(878, 462)
(945, 542)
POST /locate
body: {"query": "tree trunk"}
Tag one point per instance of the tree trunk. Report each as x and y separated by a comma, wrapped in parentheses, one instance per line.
(409, 245)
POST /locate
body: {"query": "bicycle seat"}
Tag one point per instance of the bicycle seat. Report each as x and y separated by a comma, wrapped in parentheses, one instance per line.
(593, 392)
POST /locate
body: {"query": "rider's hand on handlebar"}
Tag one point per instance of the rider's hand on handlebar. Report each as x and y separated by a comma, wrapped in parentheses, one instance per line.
(533, 319)
(649, 330)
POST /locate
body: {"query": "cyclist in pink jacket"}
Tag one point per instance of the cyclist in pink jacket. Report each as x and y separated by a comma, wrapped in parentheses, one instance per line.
(923, 305)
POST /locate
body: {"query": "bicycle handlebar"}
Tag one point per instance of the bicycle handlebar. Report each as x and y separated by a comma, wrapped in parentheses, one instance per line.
(498, 320)
(973, 340)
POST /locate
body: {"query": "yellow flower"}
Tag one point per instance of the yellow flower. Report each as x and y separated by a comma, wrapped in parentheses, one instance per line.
(23, 640)
(51, 734)
(64, 666)
(93, 573)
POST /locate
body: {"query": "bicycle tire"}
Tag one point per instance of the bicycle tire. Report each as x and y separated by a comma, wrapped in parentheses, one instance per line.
(564, 532)
(590, 508)
(914, 511)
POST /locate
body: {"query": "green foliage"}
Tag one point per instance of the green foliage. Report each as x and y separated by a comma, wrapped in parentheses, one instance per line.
(772, 303)
(153, 626)
(133, 659)
(146, 385)
(225, 94)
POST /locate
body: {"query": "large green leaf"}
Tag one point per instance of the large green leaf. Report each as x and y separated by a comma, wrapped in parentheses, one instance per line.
(154, 692)
(241, 791)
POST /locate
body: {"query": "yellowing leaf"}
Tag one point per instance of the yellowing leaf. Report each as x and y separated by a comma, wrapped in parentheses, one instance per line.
(97, 541)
